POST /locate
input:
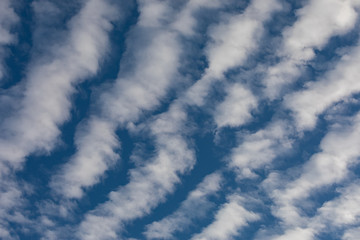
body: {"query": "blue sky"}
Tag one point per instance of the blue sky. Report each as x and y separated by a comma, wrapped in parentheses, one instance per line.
(187, 119)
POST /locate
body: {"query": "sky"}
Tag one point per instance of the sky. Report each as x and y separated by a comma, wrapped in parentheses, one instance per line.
(179, 119)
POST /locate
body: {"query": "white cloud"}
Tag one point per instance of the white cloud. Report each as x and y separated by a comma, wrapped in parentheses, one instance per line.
(186, 22)
(155, 71)
(295, 234)
(336, 215)
(153, 13)
(45, 103)
(317, 22)
(173, 155)
(351, 234)
(50, 82)
(339, 83)
(11, 205)
(150, 75)
(235, 39)
(229, 220)
(193, 207)
(341, 211)
(139, 90)
(236, 108)
(231, 43)
(8, 19)
(85, 169)
(338, 151)
(261, 148)
(158, 176)
(148, 184)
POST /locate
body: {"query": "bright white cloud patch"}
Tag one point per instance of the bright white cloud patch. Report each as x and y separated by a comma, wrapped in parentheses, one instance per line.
(259, 149)
(337, 85)
(229, 220)
(195, 206)
(317, 22)
(231, 43)
(338, 153)
(161, 119)
(236, 108)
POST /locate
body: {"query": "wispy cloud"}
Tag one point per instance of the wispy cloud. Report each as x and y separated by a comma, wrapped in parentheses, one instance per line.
(195, 206)
(351, 234)
(232, 41)
(46, 91)
(229, 220)
(156, 54)
(167, 129)
(260, 148)
(11, 200)
(337, 215)
(337, 85)
(236, 108)
(148, 184)
(8, 18)
(317, 22)
(338, 152)
(50, 82)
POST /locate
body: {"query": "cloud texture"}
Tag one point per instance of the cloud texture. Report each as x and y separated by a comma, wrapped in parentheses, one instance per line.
(194, 119)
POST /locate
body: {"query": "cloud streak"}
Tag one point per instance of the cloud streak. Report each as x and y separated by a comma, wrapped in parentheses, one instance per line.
(45, 103)
(134, 92)
(48, 86)
(8, 18)
(148, 185)
(229, 220)
(338, 84)
(193, 207)
(317, 22)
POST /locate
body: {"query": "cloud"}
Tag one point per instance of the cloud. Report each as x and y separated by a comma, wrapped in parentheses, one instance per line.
(11, 206)
(296, 234)
(236, 108)
(193, 207)
(341, 211)
(338, 151)
(229, 220)
(338, 84)
(95, 141)
(351, 234)
(260, 148)
(231, 43)
(139, 90)
(157, 55)
(8, 19)
(160, 113)
(336, 215)
(49, 85)
(168, 162)
(148, 184)
(186, 22)
(131, 97)
(45, 103)
(317, 22)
